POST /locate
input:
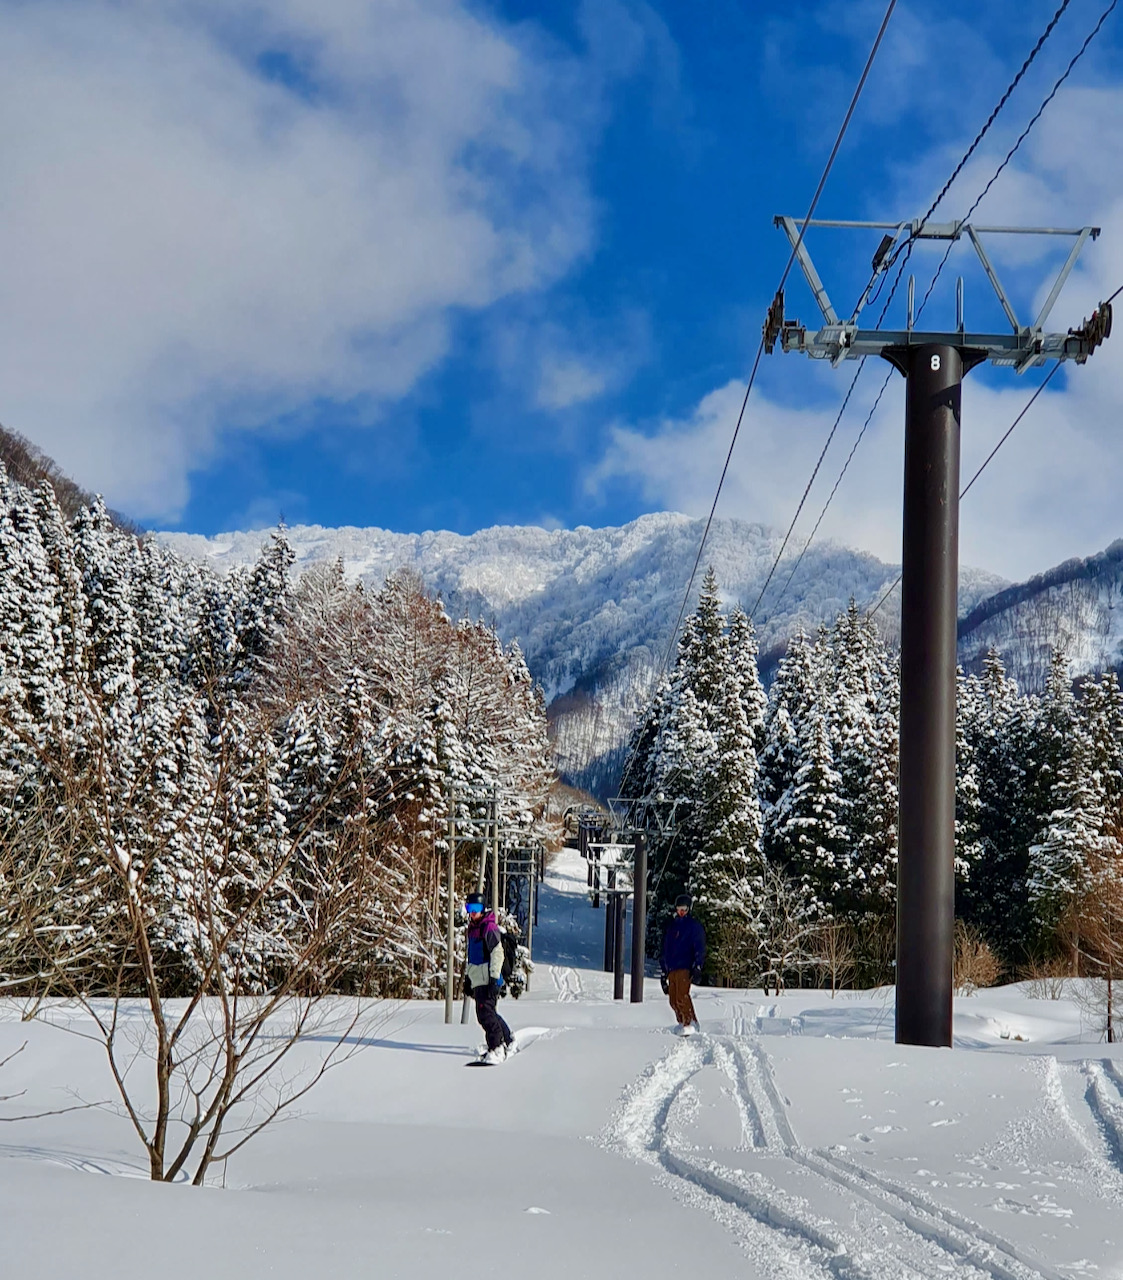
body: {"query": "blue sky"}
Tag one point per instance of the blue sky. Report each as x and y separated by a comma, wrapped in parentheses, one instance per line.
(445, 265)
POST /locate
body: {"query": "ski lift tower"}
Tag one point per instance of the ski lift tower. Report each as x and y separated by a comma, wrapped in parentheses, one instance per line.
(933, 364)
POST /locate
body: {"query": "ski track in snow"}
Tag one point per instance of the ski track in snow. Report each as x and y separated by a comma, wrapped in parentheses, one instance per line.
(1086, 1097)
(567, 982)
(79, 1163)
(893, 1231)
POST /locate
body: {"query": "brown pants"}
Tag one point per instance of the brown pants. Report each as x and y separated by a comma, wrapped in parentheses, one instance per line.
(679, 982)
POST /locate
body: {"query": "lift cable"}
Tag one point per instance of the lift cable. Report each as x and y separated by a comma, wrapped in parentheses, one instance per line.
(1021, 138)
(760, 351)
(906, 250)
(998, 108)
(939, 270)
(907, 247)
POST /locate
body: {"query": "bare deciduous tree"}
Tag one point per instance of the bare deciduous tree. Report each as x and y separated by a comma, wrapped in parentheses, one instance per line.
(783, 927)
(833, 948)
(208, 1047)
(974, 963)
(1094, 923)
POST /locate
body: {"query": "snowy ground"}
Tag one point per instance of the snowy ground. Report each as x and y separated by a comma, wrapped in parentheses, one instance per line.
(793, 1139)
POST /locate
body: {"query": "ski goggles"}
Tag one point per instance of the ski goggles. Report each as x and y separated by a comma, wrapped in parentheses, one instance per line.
(474, 908)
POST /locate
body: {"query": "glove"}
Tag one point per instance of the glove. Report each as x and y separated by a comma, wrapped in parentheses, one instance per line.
(663, 982)
(696, 976)
(499, 981)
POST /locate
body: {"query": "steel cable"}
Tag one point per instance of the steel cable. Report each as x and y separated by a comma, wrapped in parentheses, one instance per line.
(760, 351)
(947, 253)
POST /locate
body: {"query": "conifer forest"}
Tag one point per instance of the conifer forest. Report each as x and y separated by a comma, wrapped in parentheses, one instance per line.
(238, 783)
(778, 812)
(242, 781)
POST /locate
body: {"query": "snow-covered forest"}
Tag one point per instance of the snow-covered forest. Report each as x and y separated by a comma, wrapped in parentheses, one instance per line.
(778, 814)
(242, 776)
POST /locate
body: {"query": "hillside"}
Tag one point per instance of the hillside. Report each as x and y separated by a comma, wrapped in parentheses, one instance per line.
(1075, 607)
(593, 609)
(28, 465)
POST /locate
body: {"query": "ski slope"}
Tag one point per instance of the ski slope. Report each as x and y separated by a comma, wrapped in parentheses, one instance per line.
(792, 1139)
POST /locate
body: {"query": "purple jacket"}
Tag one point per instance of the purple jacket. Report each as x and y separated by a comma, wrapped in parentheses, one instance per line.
(483, 938)
(684, 944)
(485, 951)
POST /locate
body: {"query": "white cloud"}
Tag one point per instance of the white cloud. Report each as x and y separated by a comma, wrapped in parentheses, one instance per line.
(193, 245)
(1054, 489)
(1052, 492)
(564, 382)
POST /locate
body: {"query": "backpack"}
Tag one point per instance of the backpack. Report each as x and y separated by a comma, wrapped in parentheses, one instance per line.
(510, 946)
(510, 953)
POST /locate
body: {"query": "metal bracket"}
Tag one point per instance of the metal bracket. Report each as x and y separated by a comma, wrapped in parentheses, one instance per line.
(644, 813)
(1022, 348)
(809, 272)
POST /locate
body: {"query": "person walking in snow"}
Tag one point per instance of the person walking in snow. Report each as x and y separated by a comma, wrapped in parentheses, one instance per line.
(684, 953)
(485, 976)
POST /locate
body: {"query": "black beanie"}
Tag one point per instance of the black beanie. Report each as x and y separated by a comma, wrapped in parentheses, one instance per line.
(475, 897)
(683, 900)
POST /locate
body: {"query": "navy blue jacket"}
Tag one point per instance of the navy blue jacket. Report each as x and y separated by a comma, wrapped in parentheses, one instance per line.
(684, 944)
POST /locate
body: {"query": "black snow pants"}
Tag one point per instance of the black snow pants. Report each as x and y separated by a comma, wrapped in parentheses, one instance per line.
(496, 1030)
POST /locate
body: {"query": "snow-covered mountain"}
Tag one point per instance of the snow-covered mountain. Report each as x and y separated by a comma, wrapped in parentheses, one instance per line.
(593, 609)
(1077, 607)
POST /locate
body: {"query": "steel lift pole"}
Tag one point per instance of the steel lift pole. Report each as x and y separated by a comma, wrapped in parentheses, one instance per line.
(929, 586)
(933, 364)
(639, 915)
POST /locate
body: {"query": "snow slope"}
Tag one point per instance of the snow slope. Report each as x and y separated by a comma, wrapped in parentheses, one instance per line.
(793, 1139)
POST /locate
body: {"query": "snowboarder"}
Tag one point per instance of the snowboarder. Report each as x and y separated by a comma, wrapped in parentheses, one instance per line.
(485, 976)
(684, 953)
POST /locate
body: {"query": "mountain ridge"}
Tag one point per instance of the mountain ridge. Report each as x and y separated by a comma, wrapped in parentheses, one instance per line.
(594, 609)
(577, 598)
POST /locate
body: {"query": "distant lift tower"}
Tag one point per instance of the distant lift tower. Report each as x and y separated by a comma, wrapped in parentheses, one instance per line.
(933, 364)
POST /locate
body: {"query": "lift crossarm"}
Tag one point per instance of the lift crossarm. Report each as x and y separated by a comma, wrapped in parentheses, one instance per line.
(1023, 347)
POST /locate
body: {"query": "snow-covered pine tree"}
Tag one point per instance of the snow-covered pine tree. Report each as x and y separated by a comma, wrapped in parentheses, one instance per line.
(863, 730)
(792, 694)
(1101, 710)
(264, 908)
(18, 729)
(39, 661)
(743, 655)
(968, 808)
(998, 732)
(727, 862)
(683, 753)
(878, 841)
(166, 601)
(385, 944)
(265, 602)
(1072, 841)
(72, 627)
(165, 832)
(703, 652)
(213, 647)
(810, 839)
(106, 559)
(1053, 724)
(525, 770)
